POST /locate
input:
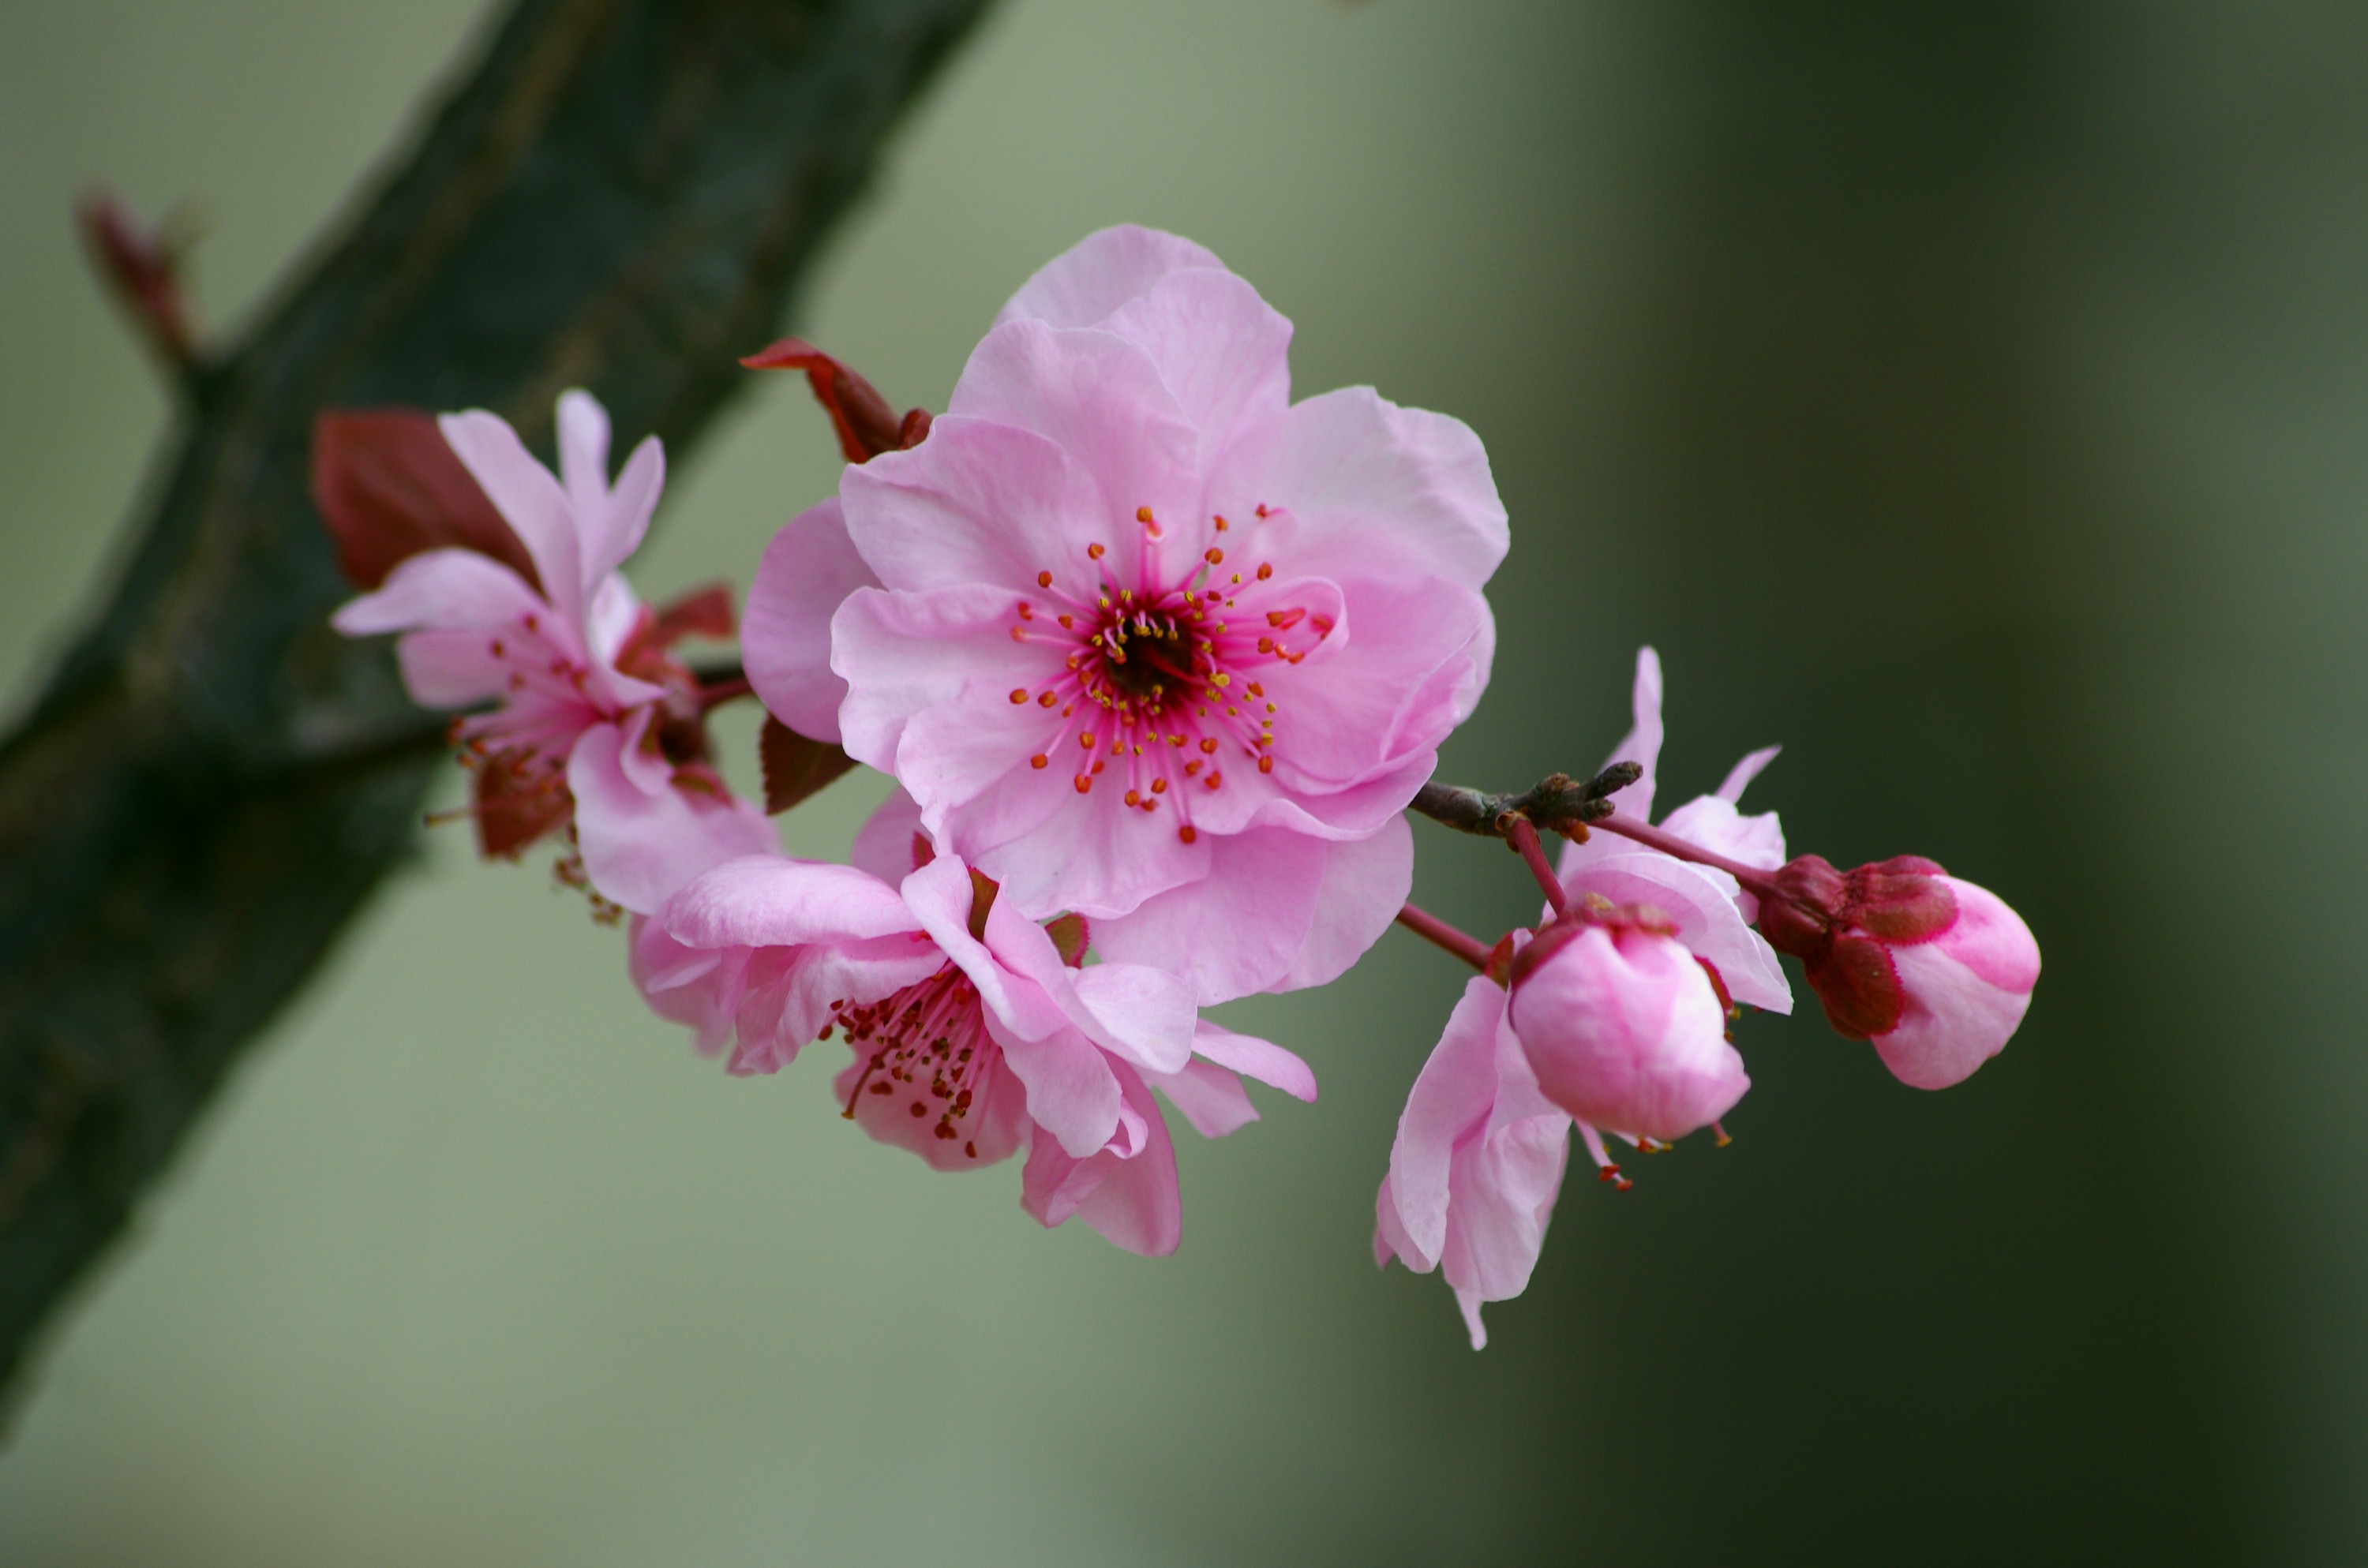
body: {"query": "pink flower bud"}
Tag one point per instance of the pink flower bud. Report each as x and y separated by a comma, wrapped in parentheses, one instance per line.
(1935, 972)
(1623, 1028)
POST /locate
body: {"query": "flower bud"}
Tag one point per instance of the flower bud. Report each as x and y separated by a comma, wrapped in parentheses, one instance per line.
(1623, 1028)
(1935, 972)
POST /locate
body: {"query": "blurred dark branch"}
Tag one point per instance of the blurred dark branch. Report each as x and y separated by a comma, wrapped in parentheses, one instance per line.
(620, 196)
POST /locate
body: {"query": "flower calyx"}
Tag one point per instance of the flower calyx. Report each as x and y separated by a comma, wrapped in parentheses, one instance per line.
(1842, 926)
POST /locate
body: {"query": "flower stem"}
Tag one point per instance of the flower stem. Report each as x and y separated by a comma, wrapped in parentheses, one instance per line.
(1432, 929)
(1758, 881)
(1523, 836)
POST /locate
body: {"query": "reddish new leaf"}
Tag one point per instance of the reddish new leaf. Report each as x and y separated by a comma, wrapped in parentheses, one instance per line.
(702, 612)
(387, 486)
(795, 766)
(866, 426)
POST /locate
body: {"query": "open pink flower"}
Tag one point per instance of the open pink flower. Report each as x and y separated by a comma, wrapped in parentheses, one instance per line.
(592, 720)
(1712, 918)
(1622, 1027)
(1478, 1162)
(972, 1036)
(1936, 972)
(1148, 641)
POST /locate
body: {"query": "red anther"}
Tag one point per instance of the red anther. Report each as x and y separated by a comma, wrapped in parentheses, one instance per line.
(1265, 570)
(1266, 765)
(1039, 760)
(1221, 522)
(1143, 513)
(1095, 551)
(1019, 696)
(1214, 556)
(1045, 699)
(1044, 579)
(1284, 619)
(1209, 744)
(1085, 783)
(1186, 833)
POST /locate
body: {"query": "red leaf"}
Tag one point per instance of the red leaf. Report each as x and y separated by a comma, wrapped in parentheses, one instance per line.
(1069, 934)
(387, 486)
(866, 426)
(702, 612)
(795, 766)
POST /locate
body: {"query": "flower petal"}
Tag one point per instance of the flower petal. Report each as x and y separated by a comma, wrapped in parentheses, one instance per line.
(1211, 1099)
(639, 848)
(806, 573)
(770, 901)
(1450, 1101)
(1101, 272)
(529, 499)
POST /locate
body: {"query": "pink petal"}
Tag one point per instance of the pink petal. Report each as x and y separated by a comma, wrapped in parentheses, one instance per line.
(980, 502)
(1450, 1100)
(883, 845)
(805, 574)
(1143, 1015)
(1505, 1185)
(1256, 1057)
(904, 653)
(529, 499)
(1641, 745)
(1968, 991)
(609, 525)
(1702, 903)
(1134, 1202)
(640, 849)
(939, 895)
(1212, 1100)
(1351, 465)
(1740, 776)
(1223, 351)
(450, 589)
(1101, 272)
(1236, 930)
(768, 901)
(1365, 884)
(1101, 400)
(1072, 1089)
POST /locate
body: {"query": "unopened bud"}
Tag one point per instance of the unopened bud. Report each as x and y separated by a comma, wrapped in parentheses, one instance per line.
(1623, 1028)
(1935, 972)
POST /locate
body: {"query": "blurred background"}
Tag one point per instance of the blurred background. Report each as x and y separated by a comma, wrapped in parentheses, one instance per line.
(1973, 397)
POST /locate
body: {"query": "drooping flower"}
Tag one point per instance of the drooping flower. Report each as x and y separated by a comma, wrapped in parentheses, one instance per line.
(1145, 641)
(1622, 1027)
(1936, 972)
(502, 579)
(972, 1034)
(1713, 916)
(1477, 1162)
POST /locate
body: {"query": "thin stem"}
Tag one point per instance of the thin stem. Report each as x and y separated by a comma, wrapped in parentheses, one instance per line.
(1636, 828)
(1523, 836)
(1432, 929)
(1558, 804)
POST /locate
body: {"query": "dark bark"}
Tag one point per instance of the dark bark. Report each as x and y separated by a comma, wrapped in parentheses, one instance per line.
(620, 196)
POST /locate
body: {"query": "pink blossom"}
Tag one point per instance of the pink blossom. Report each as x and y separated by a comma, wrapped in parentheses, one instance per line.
(1622, 1027)
(1713, 916)
(1144, 640)
(972, 1035)
(1478, 1162)
(592, 719)
(1936, 972)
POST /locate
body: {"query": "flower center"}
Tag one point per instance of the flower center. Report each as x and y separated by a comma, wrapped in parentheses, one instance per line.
(1157, 678)
(925, 1047)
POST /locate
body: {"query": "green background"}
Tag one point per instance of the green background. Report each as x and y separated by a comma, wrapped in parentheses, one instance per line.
(1974, 398)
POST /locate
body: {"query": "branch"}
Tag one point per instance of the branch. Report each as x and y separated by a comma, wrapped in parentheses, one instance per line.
(621, 196)
(1556, 804)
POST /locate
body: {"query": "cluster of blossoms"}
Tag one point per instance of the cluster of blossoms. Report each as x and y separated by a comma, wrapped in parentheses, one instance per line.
(1158, 660)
